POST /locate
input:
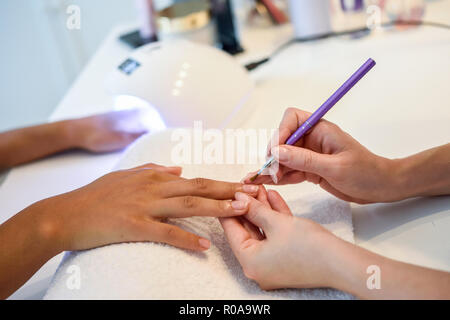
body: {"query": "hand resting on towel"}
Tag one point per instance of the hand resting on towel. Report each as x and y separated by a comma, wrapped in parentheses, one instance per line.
(123, 206)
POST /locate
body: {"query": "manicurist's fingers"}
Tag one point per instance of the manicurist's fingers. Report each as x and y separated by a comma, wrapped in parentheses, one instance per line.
(302, 159)
(205, 188)
(266, 178)
(258, 213)
(254, 231)
(277, 203)
(236, 234)
(279, 137)
(292, 119)
(261, 179)
(178, 237)
(189, 206)
(292, 177)
(262, 195)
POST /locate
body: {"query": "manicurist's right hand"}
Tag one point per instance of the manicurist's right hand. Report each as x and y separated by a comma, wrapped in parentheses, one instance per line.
(328, 156)
(131, 205)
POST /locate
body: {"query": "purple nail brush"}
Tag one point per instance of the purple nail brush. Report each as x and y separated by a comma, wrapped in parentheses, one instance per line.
(319, 113)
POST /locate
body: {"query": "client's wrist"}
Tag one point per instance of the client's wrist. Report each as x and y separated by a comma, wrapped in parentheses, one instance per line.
(48, 224)
(72, 133)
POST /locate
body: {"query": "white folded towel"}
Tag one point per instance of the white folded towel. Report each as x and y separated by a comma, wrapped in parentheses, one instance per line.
(158, 271)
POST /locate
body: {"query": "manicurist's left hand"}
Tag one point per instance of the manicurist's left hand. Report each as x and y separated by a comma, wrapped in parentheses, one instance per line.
(294, 252)
(291, 252)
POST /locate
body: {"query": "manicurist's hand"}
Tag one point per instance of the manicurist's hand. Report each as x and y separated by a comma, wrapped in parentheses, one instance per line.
(293, 252)
(123, 206)
(328, 156)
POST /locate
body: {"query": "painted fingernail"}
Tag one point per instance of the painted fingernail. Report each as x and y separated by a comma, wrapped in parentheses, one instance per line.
(239, 205)
(204, 243)
(250, 188)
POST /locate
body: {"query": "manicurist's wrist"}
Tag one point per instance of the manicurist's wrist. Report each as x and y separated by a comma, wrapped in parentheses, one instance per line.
(354, 269)
(395, 182)
(405, 179)
(336, 265)
(329, 261)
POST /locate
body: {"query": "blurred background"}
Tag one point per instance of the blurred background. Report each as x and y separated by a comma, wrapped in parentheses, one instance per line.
(41, 56)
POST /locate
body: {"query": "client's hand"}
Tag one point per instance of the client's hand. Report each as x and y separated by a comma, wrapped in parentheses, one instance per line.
(292, 253)
(131, 205)
(328, 156)
(100, 133)
(107, 132)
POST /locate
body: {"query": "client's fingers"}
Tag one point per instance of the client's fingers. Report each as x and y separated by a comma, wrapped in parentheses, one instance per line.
(277, 203)
(150, 175)
(205, 188)
(188, 206)
(178, 237)
(172, 170)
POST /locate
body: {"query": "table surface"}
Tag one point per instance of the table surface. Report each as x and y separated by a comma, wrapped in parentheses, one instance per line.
(400, 108)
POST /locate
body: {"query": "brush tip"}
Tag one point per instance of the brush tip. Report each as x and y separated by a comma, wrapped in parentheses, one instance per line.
(252, 179)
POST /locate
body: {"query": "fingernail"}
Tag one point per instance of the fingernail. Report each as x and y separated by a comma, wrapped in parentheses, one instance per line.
(241, 196)
(249, 188)
(204, 243)
(280, 153)
(239, 205)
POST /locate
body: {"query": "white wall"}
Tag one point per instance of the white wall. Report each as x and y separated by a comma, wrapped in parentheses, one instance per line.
(40, 57)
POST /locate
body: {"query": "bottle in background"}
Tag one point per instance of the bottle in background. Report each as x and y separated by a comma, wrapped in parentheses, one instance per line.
(310, 18)
(147, 20)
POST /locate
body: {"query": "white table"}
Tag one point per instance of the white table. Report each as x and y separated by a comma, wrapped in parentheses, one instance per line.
(401, 107)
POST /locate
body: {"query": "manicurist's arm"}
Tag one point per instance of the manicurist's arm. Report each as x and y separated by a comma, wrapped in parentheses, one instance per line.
(101, 133)
(299, 253)
(123, 206)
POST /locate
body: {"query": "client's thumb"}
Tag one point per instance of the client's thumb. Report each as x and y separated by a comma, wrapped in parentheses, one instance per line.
(301, 159)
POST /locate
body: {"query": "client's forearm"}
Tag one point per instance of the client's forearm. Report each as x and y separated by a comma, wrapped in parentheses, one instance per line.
(370, 276)
(27, 144)
(27, 241)
(424, 174)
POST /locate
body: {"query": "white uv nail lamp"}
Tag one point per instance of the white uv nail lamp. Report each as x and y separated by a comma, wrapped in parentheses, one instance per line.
(181, 82)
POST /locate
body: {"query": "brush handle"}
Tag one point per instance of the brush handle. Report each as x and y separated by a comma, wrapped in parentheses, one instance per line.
(335, 97)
